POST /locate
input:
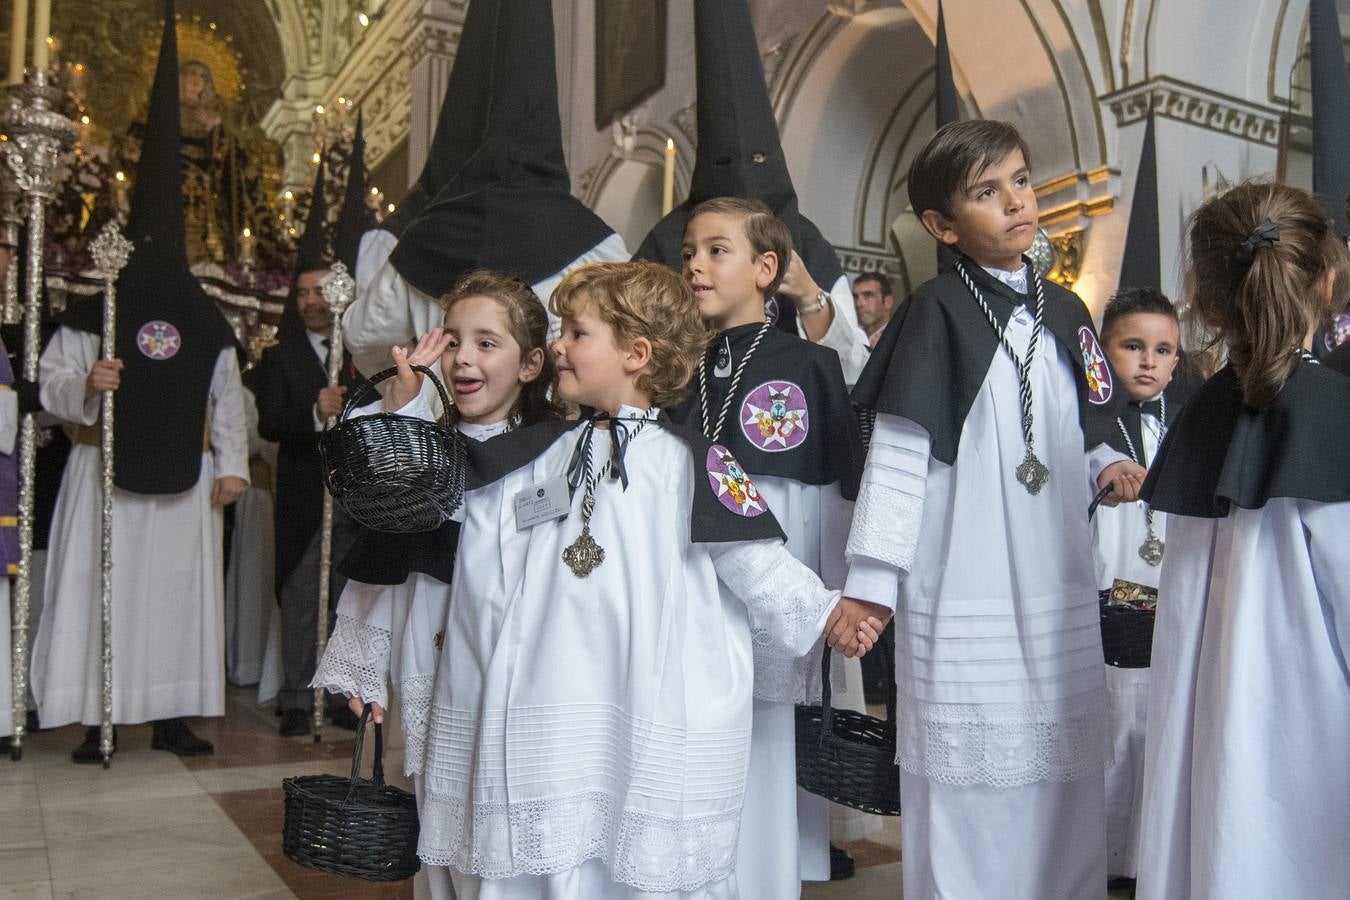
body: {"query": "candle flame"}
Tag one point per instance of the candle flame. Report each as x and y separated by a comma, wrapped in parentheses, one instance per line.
(670, 143)
(120, 176)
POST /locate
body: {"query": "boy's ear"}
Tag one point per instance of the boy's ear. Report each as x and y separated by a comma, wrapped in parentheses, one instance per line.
(637, 355)
(766, 269)
(939, 226)
(531, 364)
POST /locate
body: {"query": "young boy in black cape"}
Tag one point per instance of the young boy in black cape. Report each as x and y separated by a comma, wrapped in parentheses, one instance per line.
(995, 404)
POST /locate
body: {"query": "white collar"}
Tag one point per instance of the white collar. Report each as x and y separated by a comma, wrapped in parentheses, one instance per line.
(1016, 280)
(633, 412)
(478, 432)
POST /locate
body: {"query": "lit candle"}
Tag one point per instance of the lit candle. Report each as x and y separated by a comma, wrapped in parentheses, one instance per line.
(42, 27)
(668, 185)
(18, 38)
(247, 242)
(120, 190)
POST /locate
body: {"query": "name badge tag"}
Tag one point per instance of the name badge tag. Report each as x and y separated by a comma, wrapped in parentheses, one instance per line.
(543, 502)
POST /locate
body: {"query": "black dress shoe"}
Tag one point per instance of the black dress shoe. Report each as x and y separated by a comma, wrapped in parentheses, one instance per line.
(89, 751)
(841, 864)
(343, 717)
(294, 722)
(173, 735)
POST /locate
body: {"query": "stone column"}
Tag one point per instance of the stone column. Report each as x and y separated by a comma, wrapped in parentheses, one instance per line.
(433, 37)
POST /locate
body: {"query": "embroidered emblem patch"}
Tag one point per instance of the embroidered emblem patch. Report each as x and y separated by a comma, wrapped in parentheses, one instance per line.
(159, 340)
(1094, 364)
(731, 485)
(774, 417)
(771, 310)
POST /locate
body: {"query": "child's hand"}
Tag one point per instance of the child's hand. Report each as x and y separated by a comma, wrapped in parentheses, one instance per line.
(329, 403)
(408, 384)
(106, 375)
(357, 705)
(855, 626)
(1126, 478)
(227, 489)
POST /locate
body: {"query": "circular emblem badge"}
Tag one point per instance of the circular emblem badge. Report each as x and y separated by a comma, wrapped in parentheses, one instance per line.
(771, 310)
(732, 485)
(773, 416)
(159, 340)
(1094, 364)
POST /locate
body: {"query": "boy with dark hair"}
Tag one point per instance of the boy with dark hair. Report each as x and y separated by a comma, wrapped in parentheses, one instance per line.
(779, 404)
(994, 405)
(1142, 336)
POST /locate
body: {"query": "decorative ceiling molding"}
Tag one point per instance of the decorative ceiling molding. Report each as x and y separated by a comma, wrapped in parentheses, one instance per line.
(1198, 106)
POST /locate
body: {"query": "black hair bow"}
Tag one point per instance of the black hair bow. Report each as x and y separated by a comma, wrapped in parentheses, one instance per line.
(1263, 235)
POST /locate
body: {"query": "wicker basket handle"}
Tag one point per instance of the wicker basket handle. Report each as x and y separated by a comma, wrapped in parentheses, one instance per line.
(1097, 501)
(377, 774)
(362, 396)
(826, 705)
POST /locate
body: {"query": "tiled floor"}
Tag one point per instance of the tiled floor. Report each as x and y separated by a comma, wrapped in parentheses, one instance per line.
(155, 826)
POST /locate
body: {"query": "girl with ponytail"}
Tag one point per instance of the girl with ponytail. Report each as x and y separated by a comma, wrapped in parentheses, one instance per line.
(1245, 787)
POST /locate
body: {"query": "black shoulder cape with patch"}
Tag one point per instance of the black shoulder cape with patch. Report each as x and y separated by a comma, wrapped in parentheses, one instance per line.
(710, 520)
(931, 360)
(378, 557)
(791, 417)
(1221, 453)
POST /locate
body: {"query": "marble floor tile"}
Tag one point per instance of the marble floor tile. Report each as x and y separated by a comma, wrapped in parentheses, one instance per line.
(23, 866)
(33, 890)
(97, 818)
(234, 877)
(22, 831)
(15, 773)
(96, 786)
(111, 852)
(872, 883)
(18, 796)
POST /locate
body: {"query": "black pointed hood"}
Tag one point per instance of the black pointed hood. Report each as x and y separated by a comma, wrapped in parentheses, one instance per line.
(948, 107)
(1142, 264)
(169, 332)
(739, 152)
(312, 251)
(1331, 111)
(463, 114)
(355, 218)
(509, 208)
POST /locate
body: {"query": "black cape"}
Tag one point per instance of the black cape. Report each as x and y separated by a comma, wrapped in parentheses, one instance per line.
(930, 362)
(378, 557)
(768, 427)
(710, 521)
(1338, 360)
(1221, 453)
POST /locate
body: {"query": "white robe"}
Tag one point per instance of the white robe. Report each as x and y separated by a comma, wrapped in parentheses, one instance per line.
(1246, 783)
(168, 592)
(844, 336)
(389, 311)
(1000, 691)
(1118, 533)
(250, 594)
(9, 430)
(589, 738)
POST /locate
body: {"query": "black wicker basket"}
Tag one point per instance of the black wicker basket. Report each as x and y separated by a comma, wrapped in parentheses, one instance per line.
(846, 756)
(351, 826)
(1127, 634)
(392, 472)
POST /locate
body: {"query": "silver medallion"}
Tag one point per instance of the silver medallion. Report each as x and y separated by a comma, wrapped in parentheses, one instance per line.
(723, 368)
(1032, 473)
(1151, 550)
(584, 555)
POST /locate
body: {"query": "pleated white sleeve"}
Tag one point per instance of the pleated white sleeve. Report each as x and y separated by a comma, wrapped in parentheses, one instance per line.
(62, 371)
(884, 538)
(788, 604)
(228, 418)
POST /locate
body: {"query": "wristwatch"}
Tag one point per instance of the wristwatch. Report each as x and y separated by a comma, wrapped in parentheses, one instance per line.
(822, 301)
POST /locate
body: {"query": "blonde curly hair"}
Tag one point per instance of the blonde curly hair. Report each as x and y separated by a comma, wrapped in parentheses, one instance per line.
(642, 300)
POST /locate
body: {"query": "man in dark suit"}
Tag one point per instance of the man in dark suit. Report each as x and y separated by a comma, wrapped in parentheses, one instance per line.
(294, 400)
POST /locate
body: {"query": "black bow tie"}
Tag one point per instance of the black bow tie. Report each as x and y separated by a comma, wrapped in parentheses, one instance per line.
(1151, 407)
(621, 432)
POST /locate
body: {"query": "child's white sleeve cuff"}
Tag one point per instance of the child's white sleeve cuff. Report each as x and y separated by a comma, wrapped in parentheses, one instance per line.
(874, 581)
(1100, 458)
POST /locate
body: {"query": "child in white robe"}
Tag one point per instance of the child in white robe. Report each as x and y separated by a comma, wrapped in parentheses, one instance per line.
(779, 403)
(1245, 778)
(590, 723)
(1142, 337)
(994, 408)
(498, 373)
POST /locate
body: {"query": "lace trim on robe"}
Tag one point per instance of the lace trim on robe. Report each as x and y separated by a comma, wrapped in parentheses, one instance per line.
(414, 696)
(356, 661)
